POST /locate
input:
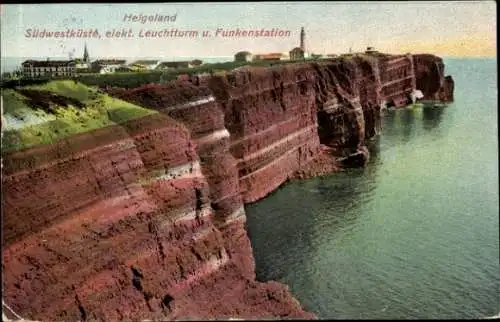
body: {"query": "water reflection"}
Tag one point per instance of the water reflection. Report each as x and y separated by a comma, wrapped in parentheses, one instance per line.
(387, 122)
(404, 125)
(407, 123)
(432, 117)
(374, 147)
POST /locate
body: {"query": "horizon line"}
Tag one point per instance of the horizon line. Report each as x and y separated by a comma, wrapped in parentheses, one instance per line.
(436, 54)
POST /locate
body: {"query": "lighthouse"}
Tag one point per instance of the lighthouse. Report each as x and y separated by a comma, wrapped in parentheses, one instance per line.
(302, 39)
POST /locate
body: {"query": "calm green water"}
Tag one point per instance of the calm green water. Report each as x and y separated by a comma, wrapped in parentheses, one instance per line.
(415, 234)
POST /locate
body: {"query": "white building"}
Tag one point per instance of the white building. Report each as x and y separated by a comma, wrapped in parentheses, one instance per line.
(106, 66)
(245, 56)
(296, 53)
(48, 68)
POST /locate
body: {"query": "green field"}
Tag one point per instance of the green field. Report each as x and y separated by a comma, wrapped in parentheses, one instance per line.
(26, 125)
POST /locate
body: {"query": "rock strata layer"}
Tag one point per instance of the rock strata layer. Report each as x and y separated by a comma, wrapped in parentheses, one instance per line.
(146, 220)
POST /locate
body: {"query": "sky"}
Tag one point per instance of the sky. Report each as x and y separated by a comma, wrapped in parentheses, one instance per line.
(447, 28)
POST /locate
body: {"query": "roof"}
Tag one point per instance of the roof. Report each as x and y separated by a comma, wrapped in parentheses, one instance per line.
(110, 62)
(48, 63)
(297, 50)
(271, 56)
(196, 62)
(146, 62)
(243, 53)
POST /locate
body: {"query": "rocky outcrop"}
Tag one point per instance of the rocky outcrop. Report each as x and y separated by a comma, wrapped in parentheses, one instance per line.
(431, 80)
(146, 220)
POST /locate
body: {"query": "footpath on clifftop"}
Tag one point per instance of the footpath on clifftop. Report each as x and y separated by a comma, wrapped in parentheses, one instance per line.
(128, 204)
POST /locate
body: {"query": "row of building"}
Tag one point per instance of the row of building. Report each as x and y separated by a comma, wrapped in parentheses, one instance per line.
(246, 56)
(297, 53)
(69, 68)
(72, 67)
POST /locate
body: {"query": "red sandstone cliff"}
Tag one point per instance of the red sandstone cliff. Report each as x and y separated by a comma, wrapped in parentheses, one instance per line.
(271, 116)
(119, 224)
(146, 220)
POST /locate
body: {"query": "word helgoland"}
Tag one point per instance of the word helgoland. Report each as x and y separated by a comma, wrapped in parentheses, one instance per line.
(149, 18)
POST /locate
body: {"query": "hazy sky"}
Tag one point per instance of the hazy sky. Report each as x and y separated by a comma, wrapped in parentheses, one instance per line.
(445, 28)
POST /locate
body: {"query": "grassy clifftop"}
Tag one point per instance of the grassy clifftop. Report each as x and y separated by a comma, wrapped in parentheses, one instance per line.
(43, 114)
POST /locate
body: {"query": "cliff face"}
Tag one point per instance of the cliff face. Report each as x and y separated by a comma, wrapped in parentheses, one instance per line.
(117, 224)
(271, 116)
(145, 220)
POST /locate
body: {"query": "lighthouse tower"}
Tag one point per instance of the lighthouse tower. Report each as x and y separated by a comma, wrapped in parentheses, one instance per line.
(302, 39)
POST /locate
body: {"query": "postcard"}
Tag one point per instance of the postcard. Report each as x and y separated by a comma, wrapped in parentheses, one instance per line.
(249, 160)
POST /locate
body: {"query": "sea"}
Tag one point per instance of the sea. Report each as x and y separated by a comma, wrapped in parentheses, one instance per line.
(414, 234)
